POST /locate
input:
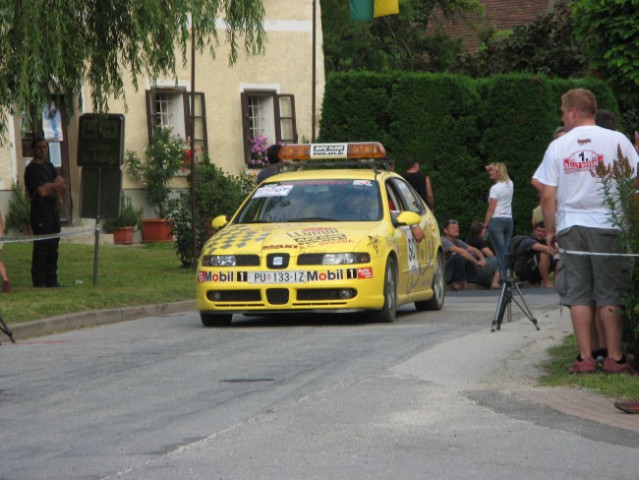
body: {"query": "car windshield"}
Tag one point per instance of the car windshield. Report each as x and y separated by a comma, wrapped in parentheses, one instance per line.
(340, 200)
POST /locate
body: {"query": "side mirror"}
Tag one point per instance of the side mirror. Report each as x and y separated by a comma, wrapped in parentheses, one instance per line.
(408, 218)
(219, 222)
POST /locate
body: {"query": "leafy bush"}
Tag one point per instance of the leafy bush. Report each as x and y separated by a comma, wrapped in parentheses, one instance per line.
(454, 125)
(217, 193)
(620, 193)
(19, 210)
(165, 156)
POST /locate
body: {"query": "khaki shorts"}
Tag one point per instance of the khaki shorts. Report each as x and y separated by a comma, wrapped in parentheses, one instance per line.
(588, 279)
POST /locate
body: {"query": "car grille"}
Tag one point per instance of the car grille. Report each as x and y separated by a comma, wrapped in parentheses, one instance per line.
(234, 295)
(310, 259)
(247, 260)
(277, 296)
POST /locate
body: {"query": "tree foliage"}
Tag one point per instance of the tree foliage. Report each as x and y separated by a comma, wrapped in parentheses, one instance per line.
(546, 46)
(217, 193)
(610, 33)
(395, 42)
(49, 46)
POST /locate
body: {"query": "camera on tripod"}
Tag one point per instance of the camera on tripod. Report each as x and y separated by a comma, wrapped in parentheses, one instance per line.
(509, 287)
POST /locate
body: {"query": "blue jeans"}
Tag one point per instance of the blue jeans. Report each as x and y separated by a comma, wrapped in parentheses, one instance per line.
(500, 230)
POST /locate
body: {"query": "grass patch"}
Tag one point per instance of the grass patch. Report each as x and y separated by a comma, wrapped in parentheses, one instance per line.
(127, 276)
(619, 386)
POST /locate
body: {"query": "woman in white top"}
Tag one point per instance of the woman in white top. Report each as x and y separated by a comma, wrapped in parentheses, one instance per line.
(499, 216)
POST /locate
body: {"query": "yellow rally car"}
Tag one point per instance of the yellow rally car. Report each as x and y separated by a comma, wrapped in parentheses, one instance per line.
(323, 240)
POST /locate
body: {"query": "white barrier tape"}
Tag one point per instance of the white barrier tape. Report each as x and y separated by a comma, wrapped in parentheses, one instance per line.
(598, 254)
(47, 236)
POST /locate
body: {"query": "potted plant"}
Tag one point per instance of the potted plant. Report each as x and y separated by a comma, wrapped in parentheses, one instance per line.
(123, 226)
(164, 159)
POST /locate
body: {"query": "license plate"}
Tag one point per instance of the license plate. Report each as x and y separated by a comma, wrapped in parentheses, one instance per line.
(294, 276)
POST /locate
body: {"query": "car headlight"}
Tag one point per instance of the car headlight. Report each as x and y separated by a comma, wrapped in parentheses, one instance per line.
(332, 258)
(345, 258)
(219, 261)
(338, 258)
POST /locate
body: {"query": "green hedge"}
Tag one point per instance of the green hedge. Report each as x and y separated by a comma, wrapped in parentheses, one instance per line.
(455, 125)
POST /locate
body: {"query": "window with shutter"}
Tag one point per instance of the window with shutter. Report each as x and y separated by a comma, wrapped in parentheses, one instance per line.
(269, 114)
(171, 107)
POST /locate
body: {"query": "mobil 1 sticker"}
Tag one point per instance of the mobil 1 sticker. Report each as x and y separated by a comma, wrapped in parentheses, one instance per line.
(293, 276)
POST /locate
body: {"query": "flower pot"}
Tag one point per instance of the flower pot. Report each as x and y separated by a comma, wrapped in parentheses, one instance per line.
(123, 236)
(156, 230)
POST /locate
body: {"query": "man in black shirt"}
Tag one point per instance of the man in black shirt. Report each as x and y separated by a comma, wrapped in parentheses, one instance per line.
(534, 259)
(420, 182)
(43, 185)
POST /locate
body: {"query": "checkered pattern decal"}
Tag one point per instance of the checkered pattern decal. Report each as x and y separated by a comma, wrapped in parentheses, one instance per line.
(237, 237)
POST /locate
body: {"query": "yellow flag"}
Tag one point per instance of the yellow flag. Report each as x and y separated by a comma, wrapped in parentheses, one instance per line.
(386, 7)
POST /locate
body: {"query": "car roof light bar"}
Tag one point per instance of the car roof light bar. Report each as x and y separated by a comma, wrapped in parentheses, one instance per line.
(332, 151)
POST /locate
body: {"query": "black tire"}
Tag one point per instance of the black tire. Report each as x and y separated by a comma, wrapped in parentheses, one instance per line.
(214, 320)
(438, 286)
(389, 310)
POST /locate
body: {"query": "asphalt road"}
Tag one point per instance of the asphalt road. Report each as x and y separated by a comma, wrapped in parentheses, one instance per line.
(435, 395)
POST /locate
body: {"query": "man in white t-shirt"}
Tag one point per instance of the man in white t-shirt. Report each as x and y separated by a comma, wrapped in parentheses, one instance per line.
(578, 219)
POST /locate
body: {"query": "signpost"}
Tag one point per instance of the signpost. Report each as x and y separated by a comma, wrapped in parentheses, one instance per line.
(101, 154)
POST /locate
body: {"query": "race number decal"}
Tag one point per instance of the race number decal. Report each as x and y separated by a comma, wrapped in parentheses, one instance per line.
(411, 250)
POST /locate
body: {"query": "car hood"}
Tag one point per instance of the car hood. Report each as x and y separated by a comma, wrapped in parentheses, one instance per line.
(293, 237)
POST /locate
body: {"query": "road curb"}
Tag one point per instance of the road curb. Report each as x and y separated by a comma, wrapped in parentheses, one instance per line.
(93, 318)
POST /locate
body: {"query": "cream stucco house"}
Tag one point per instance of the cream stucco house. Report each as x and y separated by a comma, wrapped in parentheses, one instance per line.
(268, 95)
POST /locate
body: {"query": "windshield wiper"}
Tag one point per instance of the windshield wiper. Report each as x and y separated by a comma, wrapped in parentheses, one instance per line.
(310, 219)
(243, 222)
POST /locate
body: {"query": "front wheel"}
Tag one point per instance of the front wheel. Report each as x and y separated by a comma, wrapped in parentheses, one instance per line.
(438, 286)
(213, 320)
(389, 310)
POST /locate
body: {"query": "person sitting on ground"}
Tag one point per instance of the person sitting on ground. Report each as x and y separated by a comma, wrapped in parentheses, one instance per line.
(476, 239)
(272, 153)
(534, 259)
(466, 264)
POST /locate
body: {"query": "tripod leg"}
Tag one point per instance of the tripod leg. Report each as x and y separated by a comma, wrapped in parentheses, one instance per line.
(4, 328)
(526, 308)
(509, 293)
(509, 303)
(501, 308)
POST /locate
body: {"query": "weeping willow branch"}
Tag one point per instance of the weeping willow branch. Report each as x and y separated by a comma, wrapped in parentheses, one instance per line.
(58, 47)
